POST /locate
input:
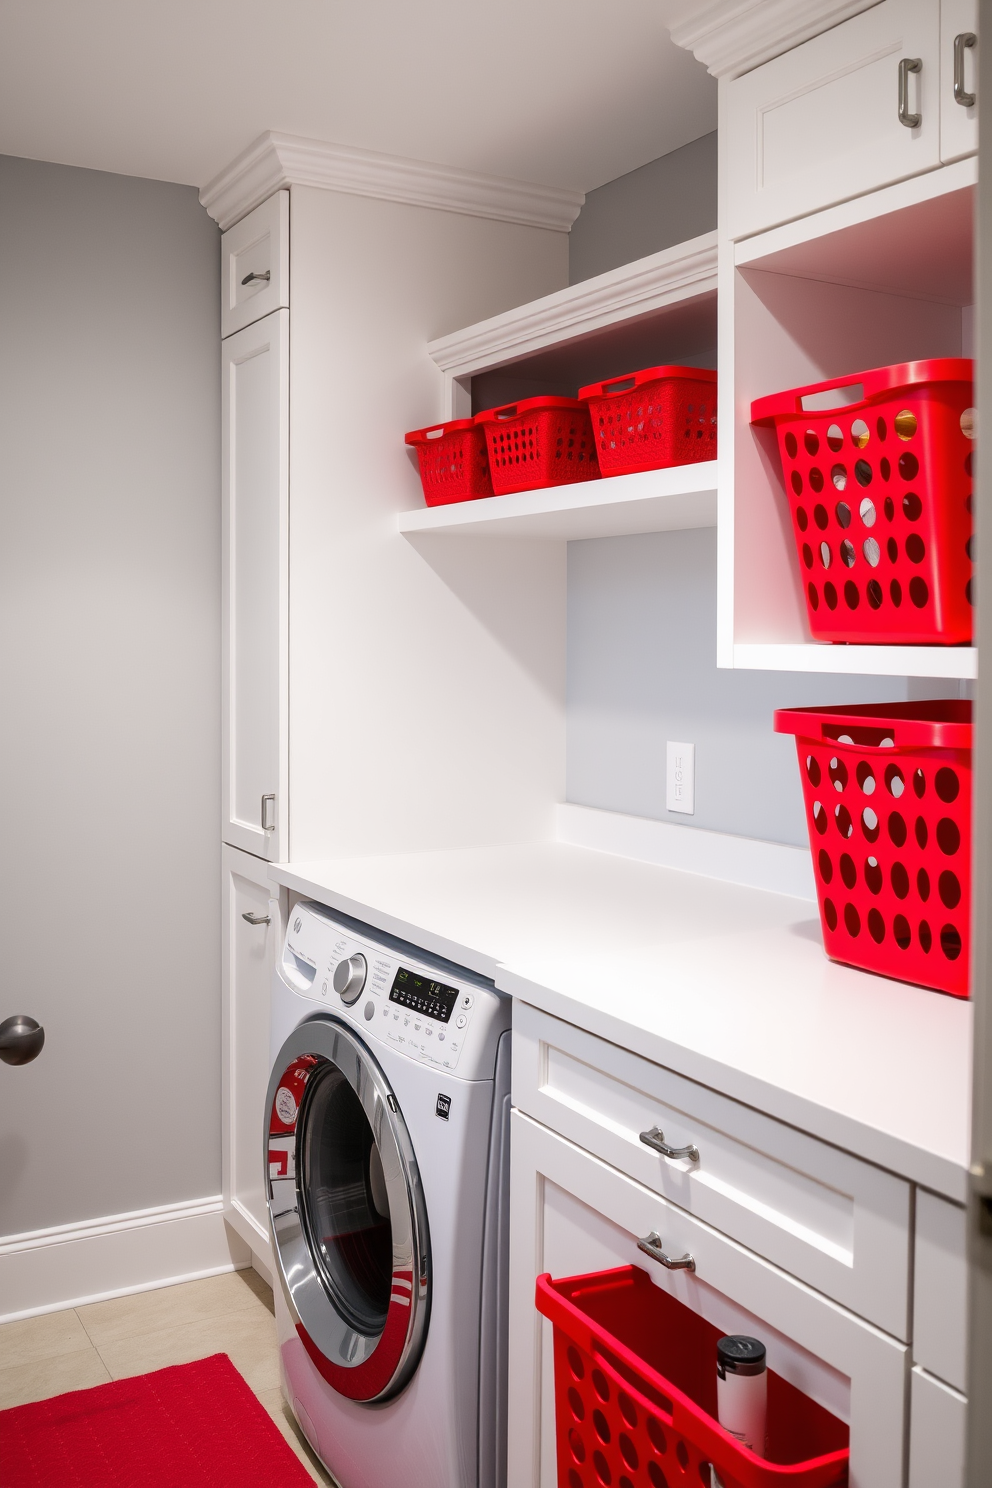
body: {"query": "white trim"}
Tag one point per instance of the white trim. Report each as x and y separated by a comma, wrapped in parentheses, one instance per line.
(683, 271)
(732, 36)
(771, 866)
(112, 1256)
(276, 160)
(861, 661)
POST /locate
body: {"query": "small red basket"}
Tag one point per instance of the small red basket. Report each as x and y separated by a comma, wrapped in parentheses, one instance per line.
(453, 462)
(878, 471)
(888, 804)
(635, 1396)
(539, 442)
(661, 416)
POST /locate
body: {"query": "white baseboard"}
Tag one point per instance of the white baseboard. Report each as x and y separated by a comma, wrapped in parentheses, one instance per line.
(741, 860)
(71, 1265)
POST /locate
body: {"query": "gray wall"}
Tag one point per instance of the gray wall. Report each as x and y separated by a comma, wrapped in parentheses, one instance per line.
(642, 670)
(667, 201)
(109, 610)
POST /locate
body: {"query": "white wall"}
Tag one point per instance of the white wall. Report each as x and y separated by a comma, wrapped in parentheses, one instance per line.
(109, 611)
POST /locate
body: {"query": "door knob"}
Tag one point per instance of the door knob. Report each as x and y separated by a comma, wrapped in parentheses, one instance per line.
(21, 1039)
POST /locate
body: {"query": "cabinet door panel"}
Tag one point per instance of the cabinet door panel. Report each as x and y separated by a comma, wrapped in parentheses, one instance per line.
(255, 265)
(940, 1289)
(958, 121)
(255, 549)
(820, 124)
(937, 1429)
(571, 1213)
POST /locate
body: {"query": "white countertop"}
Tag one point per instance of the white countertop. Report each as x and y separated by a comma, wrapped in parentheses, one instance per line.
(724, 984)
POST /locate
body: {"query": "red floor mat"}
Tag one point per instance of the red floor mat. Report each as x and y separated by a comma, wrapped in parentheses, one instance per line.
(195, 1424)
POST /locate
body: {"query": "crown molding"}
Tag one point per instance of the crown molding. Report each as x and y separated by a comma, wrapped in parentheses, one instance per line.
(732, 36)
(635, 289)
(277, 160)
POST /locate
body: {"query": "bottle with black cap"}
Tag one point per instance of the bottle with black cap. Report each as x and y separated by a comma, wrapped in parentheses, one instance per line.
(742, 1389)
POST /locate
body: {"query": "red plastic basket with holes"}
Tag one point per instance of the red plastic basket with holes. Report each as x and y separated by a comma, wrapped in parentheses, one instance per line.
(453, 462)
(635, 1396)
(877, 468)
(888, 804)
(539, 442)
(661, 416)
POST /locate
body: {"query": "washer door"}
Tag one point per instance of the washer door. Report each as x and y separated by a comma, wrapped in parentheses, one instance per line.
(347, 1210)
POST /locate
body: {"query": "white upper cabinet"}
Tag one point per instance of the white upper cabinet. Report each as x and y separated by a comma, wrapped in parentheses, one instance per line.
(255, 587)
(851, 110)
(958, 78)
(255, 265)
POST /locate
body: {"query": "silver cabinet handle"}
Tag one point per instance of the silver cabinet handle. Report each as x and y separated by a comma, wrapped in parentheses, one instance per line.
(906, 66)
(254, 919)
(655, 1139)
(962, 43)
(652, 1246)
(249, 277)
(267, 825)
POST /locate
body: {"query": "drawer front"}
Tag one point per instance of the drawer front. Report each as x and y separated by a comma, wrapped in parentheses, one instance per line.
(958, 120)
(255, 265)
(940, 1289)
(838, 1223)
(938, 1419)
(571, 1213)
(820, 124)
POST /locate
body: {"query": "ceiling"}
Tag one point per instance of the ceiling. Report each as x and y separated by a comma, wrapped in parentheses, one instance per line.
(566, 93)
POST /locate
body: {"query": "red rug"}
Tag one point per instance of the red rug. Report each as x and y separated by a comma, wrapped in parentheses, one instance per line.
(192, 1425)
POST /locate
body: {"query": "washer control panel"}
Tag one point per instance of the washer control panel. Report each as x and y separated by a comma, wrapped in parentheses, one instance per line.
(430, 1009)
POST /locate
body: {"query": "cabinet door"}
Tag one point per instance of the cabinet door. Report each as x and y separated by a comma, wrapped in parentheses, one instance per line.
(938, 1421)
(821, 123)
(252, 934)
(958, 63)
(254, 258)
(940, 1289)
(571, 1213)
(255, 583)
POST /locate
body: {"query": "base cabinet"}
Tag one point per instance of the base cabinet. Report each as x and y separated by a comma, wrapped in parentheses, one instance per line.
(572, 1213)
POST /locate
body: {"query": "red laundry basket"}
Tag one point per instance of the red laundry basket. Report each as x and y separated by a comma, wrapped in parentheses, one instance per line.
(539, 442)
(888, 804)
(635, 1396)
(661, 416)
(453, 462)
(878, 470)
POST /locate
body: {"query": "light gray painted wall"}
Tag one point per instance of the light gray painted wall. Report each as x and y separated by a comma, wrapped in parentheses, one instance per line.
(642, 670)
(667, 201)
(109, 611)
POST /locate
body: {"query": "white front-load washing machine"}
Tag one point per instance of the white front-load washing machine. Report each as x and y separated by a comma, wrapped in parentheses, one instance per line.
(386, 1145)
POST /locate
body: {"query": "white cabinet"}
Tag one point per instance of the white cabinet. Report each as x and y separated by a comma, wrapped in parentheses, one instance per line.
(958, 78)
(255, 265)
(252, 931)
(572, 1213)
(831, 119)
(937, 1430)
(940, 1289)
(255, 543)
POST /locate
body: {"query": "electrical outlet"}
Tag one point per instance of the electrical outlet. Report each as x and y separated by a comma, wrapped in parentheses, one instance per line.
(680, 778)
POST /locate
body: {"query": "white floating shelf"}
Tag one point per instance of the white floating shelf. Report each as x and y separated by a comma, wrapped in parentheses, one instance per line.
(650, 501)
(869, 661)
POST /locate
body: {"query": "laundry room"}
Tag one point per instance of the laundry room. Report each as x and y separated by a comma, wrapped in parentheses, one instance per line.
(496, 962)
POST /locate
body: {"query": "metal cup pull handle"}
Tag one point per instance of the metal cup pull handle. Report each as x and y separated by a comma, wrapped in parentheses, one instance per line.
(906, 66)
(254, 919)
(963, 42)
(652, 1246)
(655, 1139)
(250, 278)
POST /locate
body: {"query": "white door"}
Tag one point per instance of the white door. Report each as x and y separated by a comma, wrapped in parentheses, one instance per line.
(255, 587)
(833, 118)
(252, 935)
(958, 78)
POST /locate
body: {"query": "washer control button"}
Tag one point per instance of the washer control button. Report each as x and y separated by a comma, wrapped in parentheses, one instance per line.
(466, 1001)
(369, 1011)
(440, 1038)
(349, 978)
(461, 1020)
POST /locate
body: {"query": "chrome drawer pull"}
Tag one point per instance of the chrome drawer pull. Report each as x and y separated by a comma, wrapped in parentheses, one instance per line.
(250, 277)
(651, 1245)
(655, 1139)
(254, 919)
(962, 43)
(906, 66)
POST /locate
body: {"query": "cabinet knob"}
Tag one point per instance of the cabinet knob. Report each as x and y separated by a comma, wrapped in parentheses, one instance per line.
(906, 66)
(652, 1246)
(655, 1139)
(248, 279)
(254, 919)
(21, 1039)
(963, 42)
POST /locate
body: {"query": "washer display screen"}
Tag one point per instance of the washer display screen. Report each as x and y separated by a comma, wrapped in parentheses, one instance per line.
(432, 999)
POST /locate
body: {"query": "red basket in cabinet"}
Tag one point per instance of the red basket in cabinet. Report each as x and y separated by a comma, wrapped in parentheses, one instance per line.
(888, 805)
(538, 442)
(878, 471)
(635, 1396)
(651, 419)
(453, 462)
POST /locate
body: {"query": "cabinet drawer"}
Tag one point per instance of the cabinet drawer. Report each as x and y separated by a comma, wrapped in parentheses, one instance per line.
(820, 124)
(958, 121)
(836, 1222)
(938, 1418)
(571, 1213)
(940, 1289)
(255, 265)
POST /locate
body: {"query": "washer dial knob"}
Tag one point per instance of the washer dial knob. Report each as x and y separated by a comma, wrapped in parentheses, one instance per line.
(349, 978)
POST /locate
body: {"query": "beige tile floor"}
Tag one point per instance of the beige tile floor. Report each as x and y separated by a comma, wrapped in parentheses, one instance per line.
(85, 1346)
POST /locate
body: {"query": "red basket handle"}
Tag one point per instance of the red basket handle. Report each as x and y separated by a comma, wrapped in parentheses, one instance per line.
(507, 413)
(622, 385)
(823, 397)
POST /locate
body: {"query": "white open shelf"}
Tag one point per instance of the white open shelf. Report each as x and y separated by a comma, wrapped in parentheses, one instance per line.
(867, 661)
(650, 501)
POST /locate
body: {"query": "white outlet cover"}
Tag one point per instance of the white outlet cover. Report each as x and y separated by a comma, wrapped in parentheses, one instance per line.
(680, 778)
